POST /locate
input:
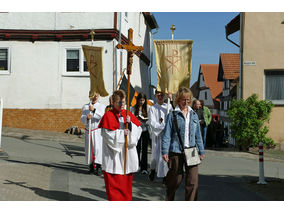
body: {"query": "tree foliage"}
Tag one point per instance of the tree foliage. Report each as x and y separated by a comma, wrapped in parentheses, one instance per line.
(249, 118)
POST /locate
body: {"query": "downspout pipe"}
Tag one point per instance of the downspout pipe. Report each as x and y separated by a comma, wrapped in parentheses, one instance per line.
(241, 53)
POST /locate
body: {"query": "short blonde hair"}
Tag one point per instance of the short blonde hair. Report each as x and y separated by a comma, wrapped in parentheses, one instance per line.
(181, 92)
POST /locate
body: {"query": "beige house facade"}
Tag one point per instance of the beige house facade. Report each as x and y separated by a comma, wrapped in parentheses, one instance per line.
(262, 64)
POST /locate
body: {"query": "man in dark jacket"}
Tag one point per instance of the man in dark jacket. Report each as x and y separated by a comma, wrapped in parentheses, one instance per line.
(197, 107)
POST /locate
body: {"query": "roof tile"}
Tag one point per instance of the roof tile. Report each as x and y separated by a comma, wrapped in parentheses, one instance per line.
(210, 74)
(231, 65)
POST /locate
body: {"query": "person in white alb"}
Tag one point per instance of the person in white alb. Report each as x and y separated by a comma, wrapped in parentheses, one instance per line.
(119, 185)
(93, 112)
(157, 121)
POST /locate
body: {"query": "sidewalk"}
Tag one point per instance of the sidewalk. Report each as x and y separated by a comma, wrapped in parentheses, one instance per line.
(40, 135)
(271, 155)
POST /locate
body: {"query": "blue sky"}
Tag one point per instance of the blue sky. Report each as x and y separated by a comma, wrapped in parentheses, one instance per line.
(206, 29)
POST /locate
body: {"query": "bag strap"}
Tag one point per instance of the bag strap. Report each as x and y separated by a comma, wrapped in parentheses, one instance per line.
(178, 132)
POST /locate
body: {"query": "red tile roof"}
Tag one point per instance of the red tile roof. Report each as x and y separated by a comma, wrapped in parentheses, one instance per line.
(231, 65)
(210, 74)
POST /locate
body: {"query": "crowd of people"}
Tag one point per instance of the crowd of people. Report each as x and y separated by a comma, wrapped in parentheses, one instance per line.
(116, 143)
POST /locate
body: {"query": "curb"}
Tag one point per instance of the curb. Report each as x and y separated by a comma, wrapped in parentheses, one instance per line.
(3, 155)
(247, 155)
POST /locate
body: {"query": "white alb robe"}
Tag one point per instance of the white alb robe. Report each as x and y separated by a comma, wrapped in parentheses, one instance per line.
(113, 150)
(96, 133)
(155, 113)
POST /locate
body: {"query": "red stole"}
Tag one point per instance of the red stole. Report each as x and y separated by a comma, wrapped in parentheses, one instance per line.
(110, 119)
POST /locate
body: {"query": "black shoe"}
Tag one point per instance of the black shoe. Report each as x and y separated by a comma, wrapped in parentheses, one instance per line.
(152, 175)
(164, 181)
(91, 168)
(98, 170)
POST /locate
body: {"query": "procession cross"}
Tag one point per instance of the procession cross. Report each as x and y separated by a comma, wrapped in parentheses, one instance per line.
(131, 49)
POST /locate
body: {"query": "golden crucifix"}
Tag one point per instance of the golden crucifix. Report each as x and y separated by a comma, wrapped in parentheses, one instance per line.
(131, 49)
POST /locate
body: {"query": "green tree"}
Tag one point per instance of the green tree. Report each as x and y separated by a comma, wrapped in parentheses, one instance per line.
(249, 119)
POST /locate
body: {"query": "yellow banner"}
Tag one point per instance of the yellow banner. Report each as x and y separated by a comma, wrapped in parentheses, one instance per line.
(173, 59)
(94, 59)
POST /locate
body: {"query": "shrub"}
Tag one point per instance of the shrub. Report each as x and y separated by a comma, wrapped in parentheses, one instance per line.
(248, 122)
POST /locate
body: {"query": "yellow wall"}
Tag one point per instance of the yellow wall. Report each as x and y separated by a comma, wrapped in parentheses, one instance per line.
(263, 42)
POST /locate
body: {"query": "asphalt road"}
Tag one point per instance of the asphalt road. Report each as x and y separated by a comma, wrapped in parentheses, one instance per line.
(54, 170)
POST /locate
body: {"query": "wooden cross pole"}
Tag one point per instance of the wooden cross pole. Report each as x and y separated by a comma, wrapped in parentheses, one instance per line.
(131, 49)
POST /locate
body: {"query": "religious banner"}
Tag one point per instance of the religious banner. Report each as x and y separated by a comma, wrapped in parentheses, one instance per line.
(132, 92)
(173, 59)
(94, 59)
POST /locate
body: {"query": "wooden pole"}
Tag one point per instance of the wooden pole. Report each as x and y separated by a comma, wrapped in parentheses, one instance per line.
(131, 48)
(129, 68)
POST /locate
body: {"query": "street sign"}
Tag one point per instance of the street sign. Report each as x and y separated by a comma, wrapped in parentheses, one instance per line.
(249, 63)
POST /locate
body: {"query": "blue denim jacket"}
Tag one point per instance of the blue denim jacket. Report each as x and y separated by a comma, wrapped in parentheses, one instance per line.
(170, 139)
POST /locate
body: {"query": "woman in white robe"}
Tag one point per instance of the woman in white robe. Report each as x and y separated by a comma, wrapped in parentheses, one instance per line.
(94, 112)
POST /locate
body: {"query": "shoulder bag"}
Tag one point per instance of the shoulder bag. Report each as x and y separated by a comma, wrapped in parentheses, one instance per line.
(192, 157)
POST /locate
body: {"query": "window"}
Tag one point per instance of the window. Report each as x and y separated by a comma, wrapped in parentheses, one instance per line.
(75, 63)
(85, 65)
(205, 95)
(4, 60)
(274, 86)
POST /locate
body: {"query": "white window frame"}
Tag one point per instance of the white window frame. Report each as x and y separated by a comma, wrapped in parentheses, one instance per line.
(81, 71)
(8, 71)
(140, 24)
(125, 14)
(276, 102)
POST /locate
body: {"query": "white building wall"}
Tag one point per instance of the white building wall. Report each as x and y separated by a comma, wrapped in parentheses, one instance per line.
(56, 20)
(201, 81)
(37, 78)
(208, 101)
(140, 77)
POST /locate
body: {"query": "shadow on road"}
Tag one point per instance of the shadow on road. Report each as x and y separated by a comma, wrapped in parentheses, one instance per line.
(70, 166)
(211, 187)
(51, 194)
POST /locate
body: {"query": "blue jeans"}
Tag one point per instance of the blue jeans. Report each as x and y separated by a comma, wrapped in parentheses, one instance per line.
(204, 131)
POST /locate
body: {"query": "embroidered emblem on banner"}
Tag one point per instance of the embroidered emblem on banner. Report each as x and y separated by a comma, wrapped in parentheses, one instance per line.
(172, 60)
